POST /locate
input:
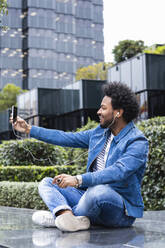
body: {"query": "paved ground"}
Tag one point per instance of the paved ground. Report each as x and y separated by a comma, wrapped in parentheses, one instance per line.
(18, 231)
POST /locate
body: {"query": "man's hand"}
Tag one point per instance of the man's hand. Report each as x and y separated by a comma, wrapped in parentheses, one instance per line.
(65, 180)
(21, 125)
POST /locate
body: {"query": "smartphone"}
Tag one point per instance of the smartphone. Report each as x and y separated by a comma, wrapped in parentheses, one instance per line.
(14, 113)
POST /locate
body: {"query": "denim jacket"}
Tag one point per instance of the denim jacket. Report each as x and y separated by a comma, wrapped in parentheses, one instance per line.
(125, 164)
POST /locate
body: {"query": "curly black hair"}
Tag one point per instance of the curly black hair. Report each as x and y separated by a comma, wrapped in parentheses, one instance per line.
(122, 98)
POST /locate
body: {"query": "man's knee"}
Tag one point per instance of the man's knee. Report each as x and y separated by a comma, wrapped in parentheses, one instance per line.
(98, 192)
(103, 193)
(47, 181)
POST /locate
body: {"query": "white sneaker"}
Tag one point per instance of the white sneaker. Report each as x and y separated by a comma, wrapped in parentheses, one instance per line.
(70, 223)
(44, 218)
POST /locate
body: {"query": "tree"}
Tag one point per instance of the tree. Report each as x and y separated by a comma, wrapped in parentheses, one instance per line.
(8, 96)
(159, 49)
(127, 49)
(97, 71)
(3, 11)
(3, 7)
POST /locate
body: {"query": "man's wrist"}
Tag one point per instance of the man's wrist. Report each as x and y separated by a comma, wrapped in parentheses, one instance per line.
(28, 128)
(79, 181)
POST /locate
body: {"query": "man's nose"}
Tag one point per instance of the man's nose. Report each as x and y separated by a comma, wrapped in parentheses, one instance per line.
(98, 112)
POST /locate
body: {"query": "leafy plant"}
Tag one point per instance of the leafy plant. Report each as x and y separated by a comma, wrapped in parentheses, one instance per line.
(156, 50)
(20, 195)
(34, 173)
(97, 71)
(8, 96)
(34, 152)
(127, 49)
(3, 11)
(153, 186)
(31, 151)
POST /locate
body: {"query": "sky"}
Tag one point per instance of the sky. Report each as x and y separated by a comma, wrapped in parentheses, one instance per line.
(133, 20)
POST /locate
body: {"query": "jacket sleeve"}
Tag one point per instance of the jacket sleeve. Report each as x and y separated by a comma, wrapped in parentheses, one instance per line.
(134, 157)
(61, 138)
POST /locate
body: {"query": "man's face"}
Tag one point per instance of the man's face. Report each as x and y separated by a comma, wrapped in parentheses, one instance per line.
(106, 112)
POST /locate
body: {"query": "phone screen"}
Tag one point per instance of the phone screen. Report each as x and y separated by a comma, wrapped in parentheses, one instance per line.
(14, 113)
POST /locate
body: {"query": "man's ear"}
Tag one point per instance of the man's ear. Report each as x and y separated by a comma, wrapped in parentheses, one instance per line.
(119, 113)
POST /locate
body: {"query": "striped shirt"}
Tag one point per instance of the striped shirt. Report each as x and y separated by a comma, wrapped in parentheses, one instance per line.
(99, 163)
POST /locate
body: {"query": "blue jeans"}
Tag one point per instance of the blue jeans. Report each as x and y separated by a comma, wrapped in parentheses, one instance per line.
(100, 203)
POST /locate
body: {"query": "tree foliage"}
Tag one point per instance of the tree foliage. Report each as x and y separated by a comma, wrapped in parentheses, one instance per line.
(8, 96)
(127, 49)
(3, 7)
(97, 71)
(153, 186)
(156, 50)
(3, 11)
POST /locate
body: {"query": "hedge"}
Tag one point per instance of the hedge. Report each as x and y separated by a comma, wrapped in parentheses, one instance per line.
(20, 195)
(31, 151)
(34, 152)
(153, 186)
(34, 173)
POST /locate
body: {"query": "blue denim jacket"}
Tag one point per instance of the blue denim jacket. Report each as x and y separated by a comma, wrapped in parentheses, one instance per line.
(125, 164)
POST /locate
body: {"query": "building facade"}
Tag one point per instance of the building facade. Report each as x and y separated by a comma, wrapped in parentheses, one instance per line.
(48, 40)
(145, 75)
(64, 109)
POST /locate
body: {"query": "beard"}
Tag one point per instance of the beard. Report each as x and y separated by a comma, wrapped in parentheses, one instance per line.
(108, 123)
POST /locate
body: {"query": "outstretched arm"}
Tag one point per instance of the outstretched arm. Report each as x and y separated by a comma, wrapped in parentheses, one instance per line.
(52, 136)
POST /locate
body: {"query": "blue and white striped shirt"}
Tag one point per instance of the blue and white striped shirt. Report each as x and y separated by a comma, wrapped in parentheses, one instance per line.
(99, 163)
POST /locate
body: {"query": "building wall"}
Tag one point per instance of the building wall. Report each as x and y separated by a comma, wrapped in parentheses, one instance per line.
(131, 72)
(11, 46)
(145, 75)
(48, 41)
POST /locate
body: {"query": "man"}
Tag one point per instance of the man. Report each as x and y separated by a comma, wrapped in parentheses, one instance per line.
(109, 192)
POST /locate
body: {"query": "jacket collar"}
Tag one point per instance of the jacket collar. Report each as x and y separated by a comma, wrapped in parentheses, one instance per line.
(122, 133)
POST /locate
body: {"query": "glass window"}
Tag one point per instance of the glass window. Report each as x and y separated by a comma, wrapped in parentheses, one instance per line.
(98, 2)
(97, 32)
(42, 3)
(98, 14)
(70, 7)
(83, 28)
(84, 9)
(41, 18)
(15, 3)
(13, 19)
(60, 6)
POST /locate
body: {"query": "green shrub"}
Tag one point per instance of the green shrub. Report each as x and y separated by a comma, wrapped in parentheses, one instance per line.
(34, 173)
(31, 151)
(153, 186)
(24, 152)
(157, 121)
(20, 195)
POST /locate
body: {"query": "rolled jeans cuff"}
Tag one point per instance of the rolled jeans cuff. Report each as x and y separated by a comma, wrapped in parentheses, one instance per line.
(62, 207)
